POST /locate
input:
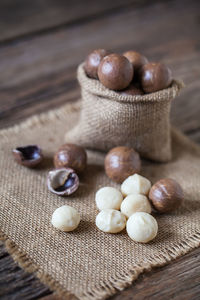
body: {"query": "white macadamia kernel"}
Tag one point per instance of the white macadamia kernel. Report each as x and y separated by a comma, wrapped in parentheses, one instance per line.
(134, 203)
(65, 218)
(142, 227)
(135, 184)
(110, 220)
(108, 197)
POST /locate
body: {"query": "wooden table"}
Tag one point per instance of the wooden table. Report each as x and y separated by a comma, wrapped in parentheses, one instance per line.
(41, 44)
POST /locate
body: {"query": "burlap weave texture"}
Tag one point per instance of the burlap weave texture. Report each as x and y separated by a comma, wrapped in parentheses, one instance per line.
(88, 263)
(109, 119)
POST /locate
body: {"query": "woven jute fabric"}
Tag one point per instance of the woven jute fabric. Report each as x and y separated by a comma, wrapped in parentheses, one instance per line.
(109, 119)
(87, 263)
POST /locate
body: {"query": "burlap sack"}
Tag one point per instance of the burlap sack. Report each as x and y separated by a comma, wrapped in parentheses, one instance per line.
(109, 119)
(87, 263)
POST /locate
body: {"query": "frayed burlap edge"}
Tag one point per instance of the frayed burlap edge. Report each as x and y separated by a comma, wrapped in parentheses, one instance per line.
(115, 284)
(29, 266)
(120, 281)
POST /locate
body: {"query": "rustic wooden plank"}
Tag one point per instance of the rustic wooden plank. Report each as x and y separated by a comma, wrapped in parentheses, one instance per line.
(47, 55)
(20, 18)
(36, 97)
(157, 284)
(15, 283)
(37, 74)
(40, 97)
(178, 281)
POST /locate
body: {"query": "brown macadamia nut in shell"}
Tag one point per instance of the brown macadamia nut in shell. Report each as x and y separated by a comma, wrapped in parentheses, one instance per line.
(136, 59)
(131, 90)
(71, 156)
(92, 62)
(155, 77)
(166, 195)
(115, 72)
(121, 162)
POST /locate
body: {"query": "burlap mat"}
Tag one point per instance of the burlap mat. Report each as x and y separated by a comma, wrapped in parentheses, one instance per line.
(87, 263)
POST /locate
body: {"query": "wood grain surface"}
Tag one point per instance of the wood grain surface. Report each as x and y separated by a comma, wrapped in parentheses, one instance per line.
(41, 44)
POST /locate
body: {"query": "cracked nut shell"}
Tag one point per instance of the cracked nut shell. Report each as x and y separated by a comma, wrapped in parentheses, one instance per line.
(155, 77)
(115, 72)
(29, 156)
(71, 156)
(166, 195)
(121, 162)
(92, 62)
(63, 182)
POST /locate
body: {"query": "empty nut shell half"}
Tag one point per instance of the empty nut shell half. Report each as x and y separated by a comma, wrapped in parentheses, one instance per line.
(29, 156)
(62, 182)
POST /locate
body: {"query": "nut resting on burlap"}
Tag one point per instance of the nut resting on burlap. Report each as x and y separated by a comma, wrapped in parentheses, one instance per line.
(109, 119)
(87, 263)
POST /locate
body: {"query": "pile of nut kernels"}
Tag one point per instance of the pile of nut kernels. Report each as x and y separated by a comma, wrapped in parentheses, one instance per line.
(130, 73)
(131, 207)
(135, 202)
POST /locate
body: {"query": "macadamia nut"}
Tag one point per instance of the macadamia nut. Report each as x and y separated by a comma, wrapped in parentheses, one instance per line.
(110, 220)
(115, 72)
(121, 162)
(65, 218)
(71, 156)
(134, 203)
(108, 197)
(166, 195)
(142, 227)
(135, 184)
(154, 77)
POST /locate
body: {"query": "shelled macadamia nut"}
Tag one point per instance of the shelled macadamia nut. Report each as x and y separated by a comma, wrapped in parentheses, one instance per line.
(121, 162)
(115, 72)
(110, 220)
(92, 62)
(142, 227)
(166, 195)
(134, 203)
(135, 184)
(65, 218)
(108, 197)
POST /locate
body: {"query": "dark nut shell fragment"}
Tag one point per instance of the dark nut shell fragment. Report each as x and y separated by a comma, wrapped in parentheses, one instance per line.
(29, 156)
(63, 182)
